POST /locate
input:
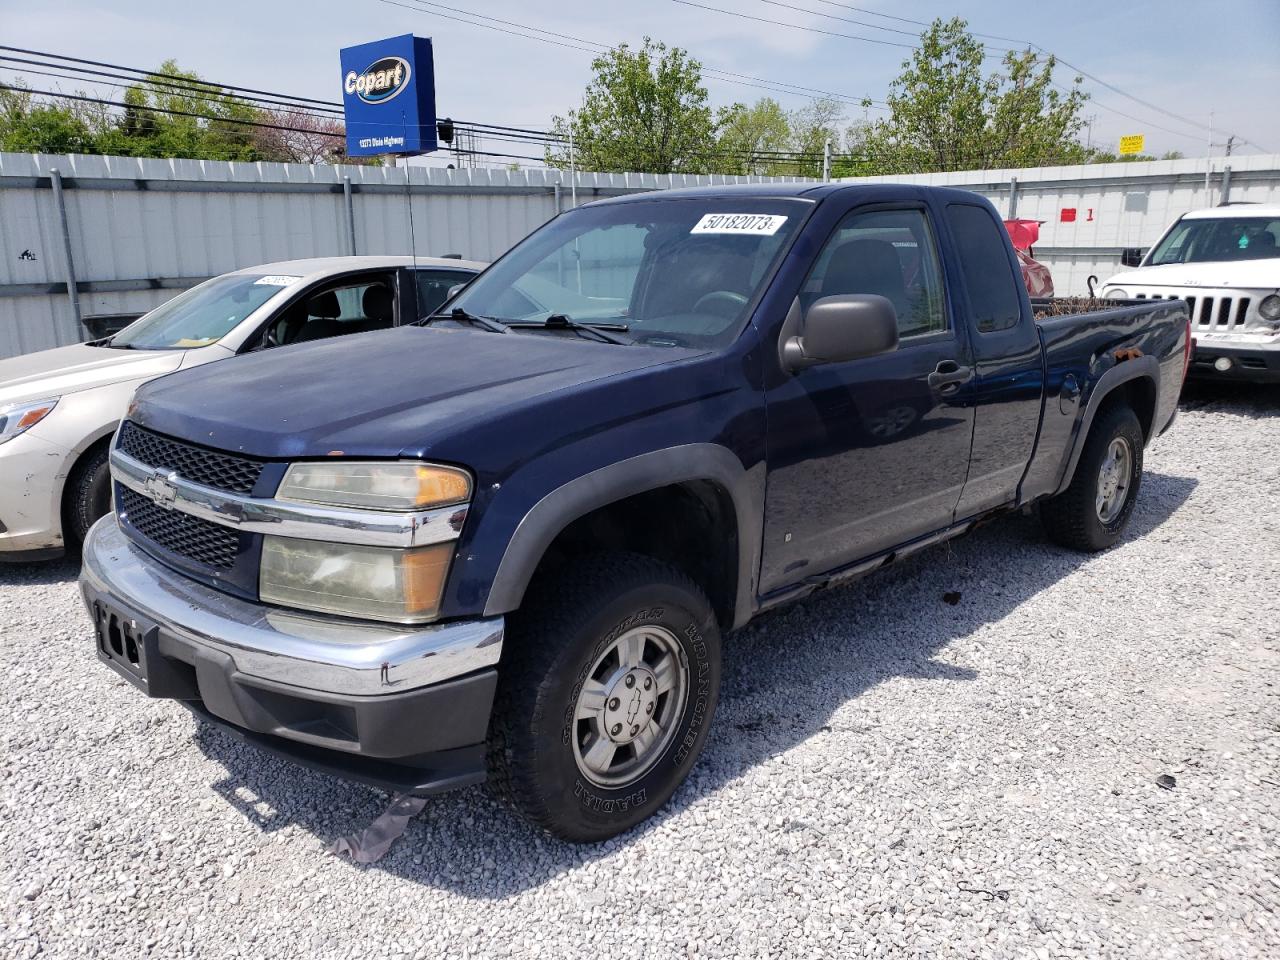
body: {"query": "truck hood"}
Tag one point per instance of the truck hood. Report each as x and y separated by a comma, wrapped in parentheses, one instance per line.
(1242, 274)
(383, 394)
(63, 370)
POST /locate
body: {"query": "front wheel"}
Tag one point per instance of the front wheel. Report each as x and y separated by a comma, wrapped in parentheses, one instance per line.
(87, 498)
(607, 698)
(1093, 511)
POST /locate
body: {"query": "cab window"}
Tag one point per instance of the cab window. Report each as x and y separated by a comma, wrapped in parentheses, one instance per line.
(352, 305)
(889, 253)
(434, 287)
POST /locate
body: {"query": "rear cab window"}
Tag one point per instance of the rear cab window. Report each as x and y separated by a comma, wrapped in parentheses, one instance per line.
(989, 280)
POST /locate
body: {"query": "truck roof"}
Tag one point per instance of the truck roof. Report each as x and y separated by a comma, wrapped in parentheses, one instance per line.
(1232, 210)
(804, 190)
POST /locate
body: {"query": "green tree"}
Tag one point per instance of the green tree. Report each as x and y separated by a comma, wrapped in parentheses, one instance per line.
(812, 128)
(155, 122)
(945, 114)
(752, 137)
(645, 110)
(30, 127)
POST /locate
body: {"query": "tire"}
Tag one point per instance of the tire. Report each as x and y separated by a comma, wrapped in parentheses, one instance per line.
(88, 497)
(562, 687)
(1076, 518)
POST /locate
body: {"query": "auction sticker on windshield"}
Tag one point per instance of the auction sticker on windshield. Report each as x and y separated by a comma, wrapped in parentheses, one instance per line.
(276, 281)
(760, 224)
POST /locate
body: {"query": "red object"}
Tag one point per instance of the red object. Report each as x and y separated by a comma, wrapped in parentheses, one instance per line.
(1035, 275)
(1068, 215)
(1187, 351)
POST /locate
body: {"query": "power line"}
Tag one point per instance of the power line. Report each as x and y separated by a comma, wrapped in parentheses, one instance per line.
(165, 76)
(796, 26)
(596, 48)
(1027, 43)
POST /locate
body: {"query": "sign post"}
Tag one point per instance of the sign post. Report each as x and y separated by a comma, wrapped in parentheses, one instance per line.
(389, 97)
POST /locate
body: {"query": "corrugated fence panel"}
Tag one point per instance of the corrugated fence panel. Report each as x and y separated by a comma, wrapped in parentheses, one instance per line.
(143, 229)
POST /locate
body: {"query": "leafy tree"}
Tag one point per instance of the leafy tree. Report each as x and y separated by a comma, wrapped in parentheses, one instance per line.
(155, 123)
(752, 137)
(30, 127)
(812, 128)
(645, 110)
(945, 114)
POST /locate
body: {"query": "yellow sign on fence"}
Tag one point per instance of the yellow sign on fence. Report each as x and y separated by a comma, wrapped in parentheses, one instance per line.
(1134, 143)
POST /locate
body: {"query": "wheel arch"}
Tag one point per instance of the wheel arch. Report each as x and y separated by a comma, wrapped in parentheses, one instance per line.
(1135, 382)
(708, 475)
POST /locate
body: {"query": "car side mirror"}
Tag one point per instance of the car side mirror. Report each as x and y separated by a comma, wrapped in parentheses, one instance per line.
(843, 328)
(1131, 256)
(454, 291)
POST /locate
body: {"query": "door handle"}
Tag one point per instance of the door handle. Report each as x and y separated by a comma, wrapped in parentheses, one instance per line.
(949, 376)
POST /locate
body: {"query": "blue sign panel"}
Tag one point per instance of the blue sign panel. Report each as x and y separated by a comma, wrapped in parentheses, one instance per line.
(389, 96)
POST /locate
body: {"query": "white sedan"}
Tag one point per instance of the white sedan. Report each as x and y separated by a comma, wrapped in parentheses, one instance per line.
(59, 408)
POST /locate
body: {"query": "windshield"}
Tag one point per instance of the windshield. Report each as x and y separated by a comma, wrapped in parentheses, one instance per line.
(202, 315)
(1206, 241)
(675, 272)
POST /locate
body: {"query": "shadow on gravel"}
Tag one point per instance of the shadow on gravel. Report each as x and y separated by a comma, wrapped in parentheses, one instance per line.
(41, 572)
(1255, 400)
(785, 676)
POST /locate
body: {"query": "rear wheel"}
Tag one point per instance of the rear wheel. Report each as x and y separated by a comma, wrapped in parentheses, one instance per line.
(88, 496)
(607, 697)
(1093, 511)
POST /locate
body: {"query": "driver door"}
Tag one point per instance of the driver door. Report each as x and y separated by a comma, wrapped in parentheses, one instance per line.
(868, 454)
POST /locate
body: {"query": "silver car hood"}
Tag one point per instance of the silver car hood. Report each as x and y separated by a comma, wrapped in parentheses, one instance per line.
(63, 370)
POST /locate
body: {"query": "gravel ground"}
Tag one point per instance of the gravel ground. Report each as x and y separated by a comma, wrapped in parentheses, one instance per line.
(889, 774)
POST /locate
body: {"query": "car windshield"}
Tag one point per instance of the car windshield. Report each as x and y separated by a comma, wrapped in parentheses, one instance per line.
(675, 272)
(1226, 238)
(202, 315)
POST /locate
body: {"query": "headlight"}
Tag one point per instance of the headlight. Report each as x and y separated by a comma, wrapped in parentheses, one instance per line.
(1269, 308)
(1115, 293)
(377, 583)
(20, 417)
(375, 485)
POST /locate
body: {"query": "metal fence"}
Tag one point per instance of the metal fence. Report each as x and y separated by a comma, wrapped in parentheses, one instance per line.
(1090, 213)
(85, 237)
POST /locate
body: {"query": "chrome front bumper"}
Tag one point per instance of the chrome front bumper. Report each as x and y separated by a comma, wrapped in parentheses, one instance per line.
(318, 654)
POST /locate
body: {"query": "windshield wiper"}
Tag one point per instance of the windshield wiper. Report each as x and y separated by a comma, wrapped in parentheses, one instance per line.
(458, 315)
(558, 321)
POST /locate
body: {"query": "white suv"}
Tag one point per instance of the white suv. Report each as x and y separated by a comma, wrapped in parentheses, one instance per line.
(1225, 262)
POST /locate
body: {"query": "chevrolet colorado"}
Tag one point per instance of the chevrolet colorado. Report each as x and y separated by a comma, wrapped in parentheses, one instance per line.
(507, 542)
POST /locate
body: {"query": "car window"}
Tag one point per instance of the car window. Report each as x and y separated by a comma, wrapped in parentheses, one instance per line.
(434, 287)
(994, 303)
(1219, 239)
(351, 306)
(890, 253)
(676, 272)
(204, 314)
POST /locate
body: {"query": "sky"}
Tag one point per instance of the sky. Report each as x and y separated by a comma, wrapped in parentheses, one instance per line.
(1186, 59)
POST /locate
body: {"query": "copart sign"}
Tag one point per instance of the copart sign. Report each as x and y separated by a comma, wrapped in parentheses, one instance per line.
(389, 97)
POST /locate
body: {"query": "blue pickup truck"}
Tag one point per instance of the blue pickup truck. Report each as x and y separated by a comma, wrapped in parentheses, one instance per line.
(506, 543)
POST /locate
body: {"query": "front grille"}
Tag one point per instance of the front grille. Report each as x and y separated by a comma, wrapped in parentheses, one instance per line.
(1222, 313)
(212, 468)
(197, 540)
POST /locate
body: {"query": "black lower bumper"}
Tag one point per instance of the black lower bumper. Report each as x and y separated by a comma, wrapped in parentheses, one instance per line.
(1242, 363)
(420, 741)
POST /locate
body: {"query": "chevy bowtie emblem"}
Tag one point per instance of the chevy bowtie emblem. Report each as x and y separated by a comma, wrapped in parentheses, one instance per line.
(161, 488)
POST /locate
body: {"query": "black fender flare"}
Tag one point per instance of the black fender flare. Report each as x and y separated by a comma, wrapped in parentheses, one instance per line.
(609, 484)
(1138, 368)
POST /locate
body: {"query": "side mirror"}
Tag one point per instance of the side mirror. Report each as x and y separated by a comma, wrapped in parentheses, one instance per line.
(1131, 256)
(454, 291)
(843, 328)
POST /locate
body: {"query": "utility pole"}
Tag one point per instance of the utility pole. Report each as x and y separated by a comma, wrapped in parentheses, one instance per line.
(573, 169)
(826, 161)
(1208, 156)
